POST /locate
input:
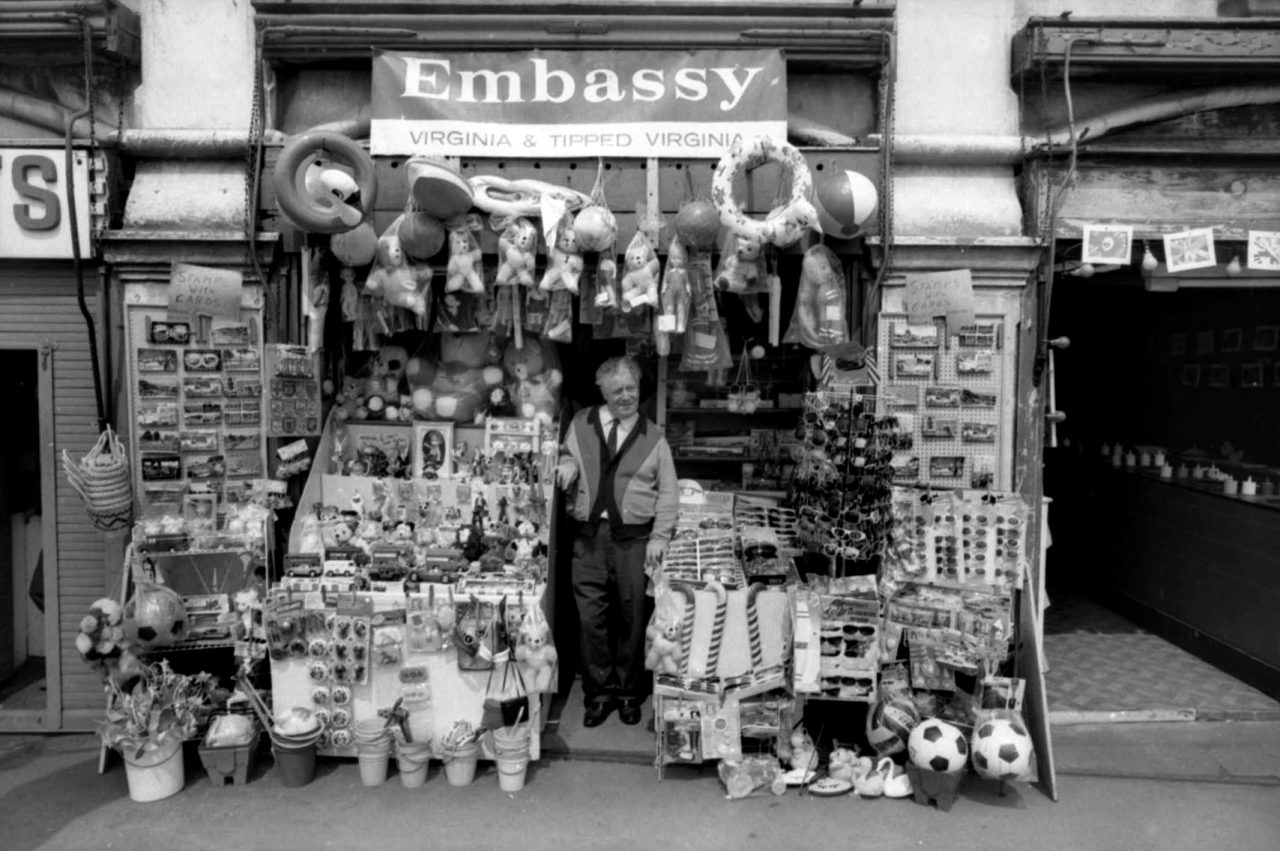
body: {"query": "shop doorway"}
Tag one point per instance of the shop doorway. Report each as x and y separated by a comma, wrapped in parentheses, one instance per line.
(1150, 614)
(22, 568)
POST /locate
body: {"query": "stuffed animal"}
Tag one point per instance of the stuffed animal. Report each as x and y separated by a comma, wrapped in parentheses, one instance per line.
(536, 383)
(662, 646)
(393, 277)
(535, 648)
(309, 539)
(102, 645)
(803, 753)
(388, 369)
(564, 260)
(844, 764)
(740, 264)
(517, 252)
(640, 280)
(464, 267)
(248, 614)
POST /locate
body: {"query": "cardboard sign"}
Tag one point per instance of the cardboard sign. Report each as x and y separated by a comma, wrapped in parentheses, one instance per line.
(196, 291)
(947, 294)
(651, 103)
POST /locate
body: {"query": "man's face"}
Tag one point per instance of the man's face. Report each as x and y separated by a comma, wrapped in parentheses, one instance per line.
(621, 394)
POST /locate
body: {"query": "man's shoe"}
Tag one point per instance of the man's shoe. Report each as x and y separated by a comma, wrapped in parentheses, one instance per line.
(629, 712)
(596, 712)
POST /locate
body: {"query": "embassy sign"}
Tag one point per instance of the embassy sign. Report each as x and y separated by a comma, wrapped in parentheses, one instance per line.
(576, 103)
(33, 204)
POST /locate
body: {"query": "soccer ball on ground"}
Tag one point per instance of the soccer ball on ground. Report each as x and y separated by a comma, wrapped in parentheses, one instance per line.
(935, 745)
(1002, 749)
(889, 724)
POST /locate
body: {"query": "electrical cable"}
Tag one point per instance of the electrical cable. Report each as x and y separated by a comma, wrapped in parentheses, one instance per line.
(72, 212)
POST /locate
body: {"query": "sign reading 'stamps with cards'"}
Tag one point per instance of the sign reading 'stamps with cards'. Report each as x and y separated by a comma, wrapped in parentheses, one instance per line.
(196, 291)
(947, 294)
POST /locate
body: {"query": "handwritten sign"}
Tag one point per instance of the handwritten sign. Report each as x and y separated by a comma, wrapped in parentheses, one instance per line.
(196, 291)
(947, 294)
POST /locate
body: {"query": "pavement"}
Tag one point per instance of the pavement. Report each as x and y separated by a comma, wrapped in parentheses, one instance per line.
(1131, 786)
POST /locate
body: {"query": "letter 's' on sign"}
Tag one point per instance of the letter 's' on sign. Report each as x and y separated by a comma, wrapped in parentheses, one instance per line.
(576, 103)
(33, 204)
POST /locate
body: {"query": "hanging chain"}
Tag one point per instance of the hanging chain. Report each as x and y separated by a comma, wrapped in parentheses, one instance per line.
(252, 164)
(871, 309)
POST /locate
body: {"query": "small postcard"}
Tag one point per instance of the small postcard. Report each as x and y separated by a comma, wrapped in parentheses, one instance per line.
(1265, 338)
(981, 335)
(1191, 375)
(975, 363)
(942, 397)
(906, 335)
(199, 440)
(1189, 249)
(976, 399)
(903, 395)
(202, 360)
(1251, 375)
(241, 360)
(983, 474)
(157, 389)
(1219, 375)
(157, 360)
(940, 428)
(1264, 250)
(946, 467)
(913, 366)
(202, 387)
(978, 432)
(1107, 244)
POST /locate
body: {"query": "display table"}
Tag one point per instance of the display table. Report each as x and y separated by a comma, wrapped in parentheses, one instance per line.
(454, 694)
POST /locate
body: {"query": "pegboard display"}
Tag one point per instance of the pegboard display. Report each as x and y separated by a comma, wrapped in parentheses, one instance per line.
(195, 400)
(951, 393)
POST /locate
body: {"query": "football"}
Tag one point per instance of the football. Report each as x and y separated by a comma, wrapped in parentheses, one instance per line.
(1002, 749)
(889, 724)
(935, 745)
(155, 617)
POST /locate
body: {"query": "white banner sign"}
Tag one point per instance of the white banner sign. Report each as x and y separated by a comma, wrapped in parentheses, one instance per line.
(33, 204)
(576, 103)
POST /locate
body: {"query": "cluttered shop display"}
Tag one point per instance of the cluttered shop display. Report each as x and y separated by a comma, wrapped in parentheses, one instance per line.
(408, 617)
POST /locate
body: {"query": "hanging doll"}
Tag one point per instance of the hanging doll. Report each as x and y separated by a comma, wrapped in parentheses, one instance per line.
(818, 319)
(392, 276)
(464, 267)
(640, 278)
(741, 262)
(675, 293)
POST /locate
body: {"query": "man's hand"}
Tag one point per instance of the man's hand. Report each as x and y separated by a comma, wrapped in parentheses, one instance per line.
(566, 473)
(654, 551)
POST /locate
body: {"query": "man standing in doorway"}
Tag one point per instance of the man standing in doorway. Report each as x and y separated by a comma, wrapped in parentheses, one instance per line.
(618, 473)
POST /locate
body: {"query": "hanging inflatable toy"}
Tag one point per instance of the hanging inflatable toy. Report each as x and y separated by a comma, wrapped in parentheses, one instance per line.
(513, 198)
(845, 201)
(784, 225)
(325, 182)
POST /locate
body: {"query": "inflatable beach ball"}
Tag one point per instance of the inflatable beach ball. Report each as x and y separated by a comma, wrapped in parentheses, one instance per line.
(1002, 750)
(889, 724)
(845, 201)
(935, 745)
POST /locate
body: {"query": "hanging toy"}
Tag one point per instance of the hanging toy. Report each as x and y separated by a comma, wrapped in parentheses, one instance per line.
(819, 316)
(640, 278)
(564, 259)
(664, 652)
(517, 247)
(325, 182)
(463, 271)
(675, 298)
(535, 648)
(315, 298)
(784, 225)
(595, 227)
(422, 236)
(741, 263)
(357, 247)
(392, 277)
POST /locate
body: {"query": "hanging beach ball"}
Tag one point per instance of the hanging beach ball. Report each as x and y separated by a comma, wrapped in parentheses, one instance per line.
(845, 201)
(698, 224)
(421, 235)
(356, 247)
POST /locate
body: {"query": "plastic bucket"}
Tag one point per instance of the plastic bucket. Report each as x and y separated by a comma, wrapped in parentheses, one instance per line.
(412, 759)
(373, 767)
(511, 752)
(157, 774)
(297, 765)
(461, 768)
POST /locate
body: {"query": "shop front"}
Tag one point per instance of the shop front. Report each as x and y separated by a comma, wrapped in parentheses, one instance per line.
(347, 399)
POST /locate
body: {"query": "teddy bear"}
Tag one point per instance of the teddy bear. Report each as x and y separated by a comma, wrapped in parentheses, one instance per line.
(102, 644)
(662, 653)
(564, 260)
(535, 383)
(535, 648)
(804, 755)
(640, 280)
(392, 276)
(464, 267)
(517, 252)
(740, 263)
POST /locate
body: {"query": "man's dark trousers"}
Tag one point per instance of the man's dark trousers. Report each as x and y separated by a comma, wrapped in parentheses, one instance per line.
(613, 612)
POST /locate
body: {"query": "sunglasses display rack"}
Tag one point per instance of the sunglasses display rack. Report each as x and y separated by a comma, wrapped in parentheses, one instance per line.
(757, 512)
(841, 488)
(195, 398)
(951, 393)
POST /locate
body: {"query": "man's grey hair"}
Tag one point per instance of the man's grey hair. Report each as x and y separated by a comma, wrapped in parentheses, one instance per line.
(613, 366)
